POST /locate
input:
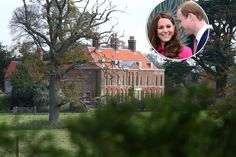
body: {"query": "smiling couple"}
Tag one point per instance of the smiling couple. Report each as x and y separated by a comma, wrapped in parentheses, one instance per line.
(164, 36)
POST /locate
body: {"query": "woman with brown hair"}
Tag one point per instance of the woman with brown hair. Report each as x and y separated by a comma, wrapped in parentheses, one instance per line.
(164, 37)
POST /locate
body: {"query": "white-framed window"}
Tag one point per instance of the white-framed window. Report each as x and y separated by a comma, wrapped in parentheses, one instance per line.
(156, 80)
(161, 80)
(118, 80)
(137, 80)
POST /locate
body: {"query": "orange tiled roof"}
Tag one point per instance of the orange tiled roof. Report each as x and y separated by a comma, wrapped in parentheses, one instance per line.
(11, 68)
(105, 56)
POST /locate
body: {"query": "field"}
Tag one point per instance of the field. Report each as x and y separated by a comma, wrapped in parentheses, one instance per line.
(33, 119)
(33, 129)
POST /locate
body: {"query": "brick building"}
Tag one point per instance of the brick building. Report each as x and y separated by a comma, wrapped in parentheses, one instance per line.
(113, 71)
(110, 71)
(7, 81)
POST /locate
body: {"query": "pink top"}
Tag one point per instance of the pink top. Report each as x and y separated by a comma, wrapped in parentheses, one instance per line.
(185, 53)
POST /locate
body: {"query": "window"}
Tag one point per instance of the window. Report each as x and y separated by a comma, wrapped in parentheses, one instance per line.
(118, 80)
(132, 79)
(128, 78)
(123, 79)
(111, 79)
(149, 64)
(137, 80)
(141, 80)
(108, 80)
(156, 80)
(161, 81)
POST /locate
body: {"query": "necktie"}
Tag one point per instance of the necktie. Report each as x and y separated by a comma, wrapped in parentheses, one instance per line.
(194, 46)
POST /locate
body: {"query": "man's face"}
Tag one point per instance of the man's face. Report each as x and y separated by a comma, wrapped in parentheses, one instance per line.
(185, 23)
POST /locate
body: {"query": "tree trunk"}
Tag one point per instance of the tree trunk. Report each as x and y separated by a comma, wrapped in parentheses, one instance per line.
(221, 87)
(221, 82)
(53, 101)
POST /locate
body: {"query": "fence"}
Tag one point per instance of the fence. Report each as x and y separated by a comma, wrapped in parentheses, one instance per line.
(17, 109)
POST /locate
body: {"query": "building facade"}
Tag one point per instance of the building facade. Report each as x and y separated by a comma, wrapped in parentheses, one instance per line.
(113, 72)
(110, 71)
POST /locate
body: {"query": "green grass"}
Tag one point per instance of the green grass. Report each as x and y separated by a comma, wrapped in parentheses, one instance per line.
(31, 140)
(31, 121)
(34, 129)
(59, 138)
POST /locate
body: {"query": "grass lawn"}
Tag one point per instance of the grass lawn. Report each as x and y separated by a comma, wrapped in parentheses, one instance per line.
(13, 119)
(33, 129)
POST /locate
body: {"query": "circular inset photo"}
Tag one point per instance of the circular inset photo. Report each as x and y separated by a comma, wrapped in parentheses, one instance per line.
(178, 29)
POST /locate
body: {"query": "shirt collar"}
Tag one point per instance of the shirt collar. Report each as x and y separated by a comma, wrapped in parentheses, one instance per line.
(160, 49)
(201, 32)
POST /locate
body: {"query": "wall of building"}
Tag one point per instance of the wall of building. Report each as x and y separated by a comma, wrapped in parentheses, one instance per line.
(118, 81)
(8, 86)
(98, 83)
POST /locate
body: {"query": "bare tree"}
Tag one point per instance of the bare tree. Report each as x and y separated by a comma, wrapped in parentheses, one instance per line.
(59, 26)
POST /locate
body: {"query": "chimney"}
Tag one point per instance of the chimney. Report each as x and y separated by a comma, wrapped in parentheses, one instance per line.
(132, 44)
(96, 41)
(39, 53)
(114, 41)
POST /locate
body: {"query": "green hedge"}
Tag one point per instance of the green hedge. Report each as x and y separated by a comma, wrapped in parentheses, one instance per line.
(186, 123)
(5, 102)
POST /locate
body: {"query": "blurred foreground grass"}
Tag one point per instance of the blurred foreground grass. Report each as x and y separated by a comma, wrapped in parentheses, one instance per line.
(188, 122)
(35, 121)
(34, 132)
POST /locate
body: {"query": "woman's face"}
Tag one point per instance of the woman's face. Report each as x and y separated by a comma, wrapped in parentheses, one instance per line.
(165, 30)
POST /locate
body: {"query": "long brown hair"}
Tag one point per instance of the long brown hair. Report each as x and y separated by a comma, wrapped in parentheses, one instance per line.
(172, 47)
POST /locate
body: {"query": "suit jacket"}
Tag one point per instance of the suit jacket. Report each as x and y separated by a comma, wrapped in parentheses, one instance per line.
(203, 40)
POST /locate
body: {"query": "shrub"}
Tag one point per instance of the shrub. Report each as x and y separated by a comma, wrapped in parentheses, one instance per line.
(5, 103)
(176, 125)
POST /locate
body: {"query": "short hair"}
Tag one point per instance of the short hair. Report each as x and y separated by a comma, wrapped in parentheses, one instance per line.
(192, 7)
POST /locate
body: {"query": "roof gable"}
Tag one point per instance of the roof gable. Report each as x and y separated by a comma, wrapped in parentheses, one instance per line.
(11, 68)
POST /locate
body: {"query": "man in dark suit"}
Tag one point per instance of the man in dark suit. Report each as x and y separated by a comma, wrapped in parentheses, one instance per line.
(192, 19)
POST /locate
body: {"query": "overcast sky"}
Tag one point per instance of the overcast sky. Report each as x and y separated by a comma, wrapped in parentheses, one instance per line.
(132, 23)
